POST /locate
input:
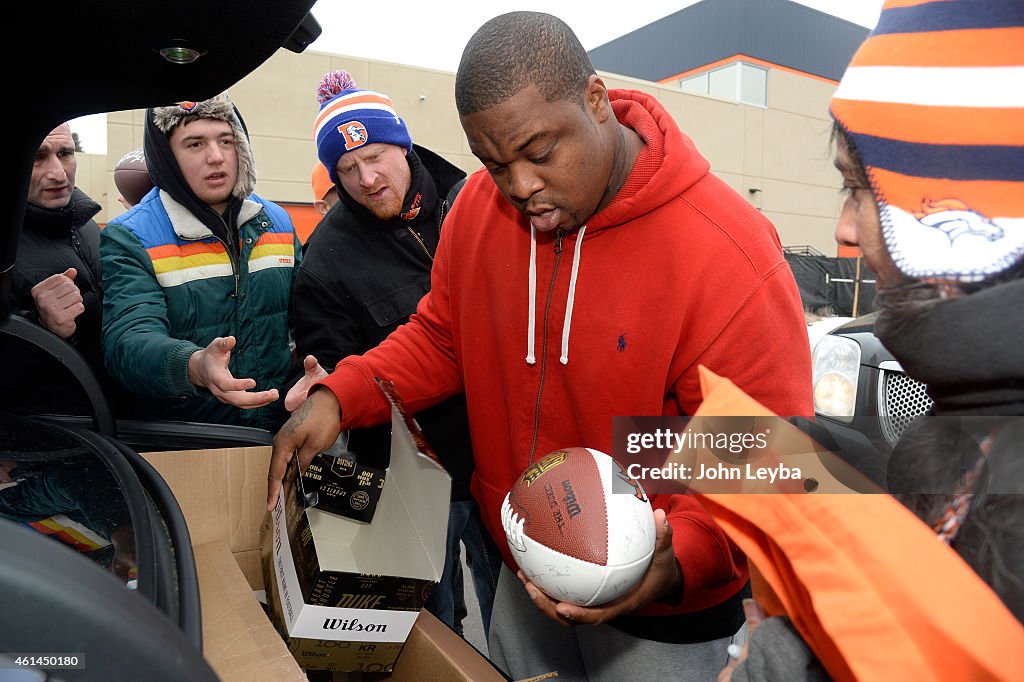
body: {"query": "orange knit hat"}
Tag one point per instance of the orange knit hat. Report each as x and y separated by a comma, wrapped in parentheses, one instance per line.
(321, 181)
(933, 102)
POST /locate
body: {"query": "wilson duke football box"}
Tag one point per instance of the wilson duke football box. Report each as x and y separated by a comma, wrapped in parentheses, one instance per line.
(345, 593)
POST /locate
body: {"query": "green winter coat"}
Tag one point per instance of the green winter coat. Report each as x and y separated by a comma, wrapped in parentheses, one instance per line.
(171, 287)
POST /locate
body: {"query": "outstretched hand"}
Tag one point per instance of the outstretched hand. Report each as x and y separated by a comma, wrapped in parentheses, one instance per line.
(663, 577)
(312, 373)
(59, 301)
(208, 368)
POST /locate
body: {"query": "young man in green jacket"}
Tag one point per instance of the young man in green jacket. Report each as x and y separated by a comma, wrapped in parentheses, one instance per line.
(198, 277)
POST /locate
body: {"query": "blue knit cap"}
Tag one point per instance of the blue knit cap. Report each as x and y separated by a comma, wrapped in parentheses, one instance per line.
(350, 118)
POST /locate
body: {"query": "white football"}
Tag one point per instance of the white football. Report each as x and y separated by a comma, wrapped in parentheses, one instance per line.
(579, 527)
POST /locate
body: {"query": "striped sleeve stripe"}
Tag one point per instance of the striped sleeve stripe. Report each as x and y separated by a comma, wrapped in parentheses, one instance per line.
(70, 532)
(953, 162)
(277, 250)
(999, 87)
(949, 16)
(173, 250)
(162, 265)
(970, 47)
(176, 277)
(272, 260)
(990, 198)
(956, 125)
(283, 237)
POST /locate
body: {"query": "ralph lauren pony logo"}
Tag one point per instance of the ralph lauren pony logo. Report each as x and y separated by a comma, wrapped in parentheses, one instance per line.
(621, 345)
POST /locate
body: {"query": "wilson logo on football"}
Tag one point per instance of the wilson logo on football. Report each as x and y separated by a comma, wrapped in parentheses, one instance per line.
(354, 133)
(534, 471)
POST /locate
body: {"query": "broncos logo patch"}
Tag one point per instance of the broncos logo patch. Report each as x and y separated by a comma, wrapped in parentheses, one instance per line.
(955, 219)
(354, 133)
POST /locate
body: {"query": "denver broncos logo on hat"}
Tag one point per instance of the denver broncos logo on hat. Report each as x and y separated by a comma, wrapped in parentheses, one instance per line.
(187, 106)
(354, 133)
(954, 219)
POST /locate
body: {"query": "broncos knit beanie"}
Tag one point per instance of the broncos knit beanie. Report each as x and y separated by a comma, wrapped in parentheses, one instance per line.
(219, 108)
(350, 118)
(933, 103)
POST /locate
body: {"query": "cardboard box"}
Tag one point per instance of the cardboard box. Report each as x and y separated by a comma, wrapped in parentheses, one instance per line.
(434, 653)
(222, 493)
(345, 593)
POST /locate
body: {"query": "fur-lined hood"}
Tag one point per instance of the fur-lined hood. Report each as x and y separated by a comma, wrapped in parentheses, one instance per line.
(219, 108)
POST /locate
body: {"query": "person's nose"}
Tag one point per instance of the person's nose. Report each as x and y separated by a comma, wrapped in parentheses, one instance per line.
(367, 176)
(523, 183)
(215, 155)
(846, 226)
(55, 170)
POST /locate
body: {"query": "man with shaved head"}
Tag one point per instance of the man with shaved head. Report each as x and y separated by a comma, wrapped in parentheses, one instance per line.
(587, 272)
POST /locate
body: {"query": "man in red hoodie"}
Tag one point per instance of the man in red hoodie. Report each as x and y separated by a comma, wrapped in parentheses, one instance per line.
(588, 270)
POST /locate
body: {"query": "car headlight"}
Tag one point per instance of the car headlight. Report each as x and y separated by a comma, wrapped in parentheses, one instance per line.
(835, 368)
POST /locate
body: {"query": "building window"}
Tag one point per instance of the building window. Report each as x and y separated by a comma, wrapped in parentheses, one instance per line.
(737, 81)
(753, 84)
(725, 82)
(697, 84)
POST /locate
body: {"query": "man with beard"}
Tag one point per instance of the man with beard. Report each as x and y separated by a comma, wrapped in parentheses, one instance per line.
(198, 277)
(366, 267)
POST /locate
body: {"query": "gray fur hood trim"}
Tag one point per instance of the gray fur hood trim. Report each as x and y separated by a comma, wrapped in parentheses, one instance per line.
(219, 108)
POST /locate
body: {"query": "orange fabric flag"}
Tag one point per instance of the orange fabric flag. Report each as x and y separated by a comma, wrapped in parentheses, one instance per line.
(869, 587)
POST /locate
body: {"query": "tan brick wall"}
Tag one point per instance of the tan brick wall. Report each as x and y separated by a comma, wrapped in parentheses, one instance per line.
(782, 150)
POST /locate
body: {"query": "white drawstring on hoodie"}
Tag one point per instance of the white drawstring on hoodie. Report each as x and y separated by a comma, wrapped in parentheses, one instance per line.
(531, 358)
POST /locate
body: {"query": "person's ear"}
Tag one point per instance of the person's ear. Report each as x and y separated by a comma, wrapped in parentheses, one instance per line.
(595, 98)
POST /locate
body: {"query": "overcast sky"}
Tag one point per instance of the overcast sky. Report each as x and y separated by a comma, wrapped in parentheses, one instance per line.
(432, 34)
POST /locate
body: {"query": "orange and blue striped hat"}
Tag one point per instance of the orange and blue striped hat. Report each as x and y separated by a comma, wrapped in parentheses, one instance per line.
(933, 102)
(350, 118)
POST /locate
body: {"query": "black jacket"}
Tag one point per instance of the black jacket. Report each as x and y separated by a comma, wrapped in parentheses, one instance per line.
(361, 278)
(53, 240)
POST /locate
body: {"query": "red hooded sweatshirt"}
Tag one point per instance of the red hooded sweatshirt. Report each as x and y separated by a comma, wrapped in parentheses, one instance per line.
(677, 271)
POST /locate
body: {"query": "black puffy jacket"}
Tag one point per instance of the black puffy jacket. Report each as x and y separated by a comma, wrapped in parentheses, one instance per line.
(361, 278)
(53, 240)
